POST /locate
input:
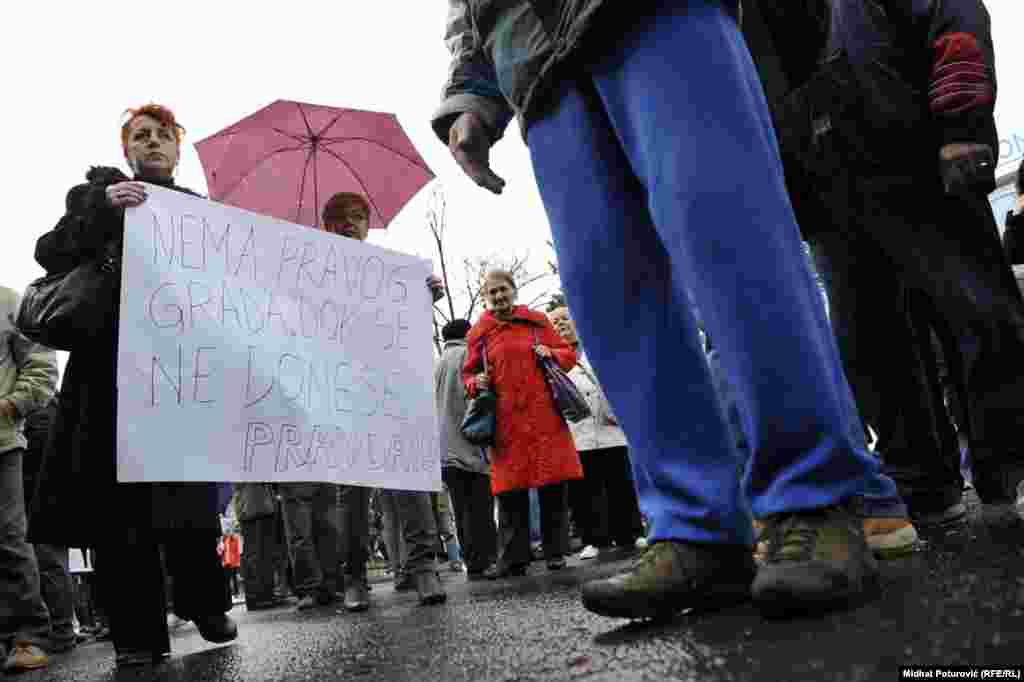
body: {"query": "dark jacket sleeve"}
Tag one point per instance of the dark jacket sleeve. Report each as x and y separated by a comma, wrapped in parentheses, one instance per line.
(962, 86)
(88, 224)
(1013, 238)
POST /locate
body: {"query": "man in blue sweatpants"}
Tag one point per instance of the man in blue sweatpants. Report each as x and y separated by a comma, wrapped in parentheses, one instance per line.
(656, 160)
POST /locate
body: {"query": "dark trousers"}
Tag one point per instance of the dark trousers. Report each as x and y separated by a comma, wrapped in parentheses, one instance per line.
(57, 588)
(514, 524)
(313, 522)
(132, 582)
(258, 556)
(603, 502)
(355, 530)
(883, 328)
(474, 516)
(896, 235)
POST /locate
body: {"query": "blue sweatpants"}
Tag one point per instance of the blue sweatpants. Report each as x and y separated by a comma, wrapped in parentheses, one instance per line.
(660, 172)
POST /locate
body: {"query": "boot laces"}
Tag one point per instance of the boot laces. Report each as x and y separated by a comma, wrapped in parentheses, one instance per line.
(792, 538)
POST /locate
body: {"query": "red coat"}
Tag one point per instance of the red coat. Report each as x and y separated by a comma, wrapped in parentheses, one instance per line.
(534, 444)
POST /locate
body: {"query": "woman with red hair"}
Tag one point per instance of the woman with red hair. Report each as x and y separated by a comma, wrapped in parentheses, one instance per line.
(79, 502)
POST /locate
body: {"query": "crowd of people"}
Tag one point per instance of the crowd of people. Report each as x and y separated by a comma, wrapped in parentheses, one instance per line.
(730, 407)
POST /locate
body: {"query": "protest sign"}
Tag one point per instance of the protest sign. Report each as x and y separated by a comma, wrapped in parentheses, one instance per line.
(252, 349)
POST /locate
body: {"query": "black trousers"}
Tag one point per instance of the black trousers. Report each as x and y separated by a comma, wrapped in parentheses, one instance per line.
(514, 524)
(132, 583)
(258, 559)
(473, 509)
(603, 503)
(891, 235)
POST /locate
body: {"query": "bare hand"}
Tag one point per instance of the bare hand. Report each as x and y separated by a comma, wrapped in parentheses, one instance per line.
(470, 144)
(126, 194)
(483, 381)
(542, 351)
(436, 287)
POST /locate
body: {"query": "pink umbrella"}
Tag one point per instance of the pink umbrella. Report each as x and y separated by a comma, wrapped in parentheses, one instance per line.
(287, 159)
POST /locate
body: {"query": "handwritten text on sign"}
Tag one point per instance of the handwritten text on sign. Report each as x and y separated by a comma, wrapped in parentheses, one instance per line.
(252, 349)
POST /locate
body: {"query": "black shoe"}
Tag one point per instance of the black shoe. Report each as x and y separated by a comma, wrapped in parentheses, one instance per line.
(500, 570)
(405, 583)
(218, 628)
(556, 564)
(357, 597)
(428, 584)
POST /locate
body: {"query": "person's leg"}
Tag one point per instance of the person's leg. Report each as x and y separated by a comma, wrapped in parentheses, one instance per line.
(535, 534)
(200, 584)
(514, 531)
(298, 518)
(554, 511)
(58, 592)
(625, 523)
(393, 536)
(481, 520)
(257, 561)
(652, 191)
(355, 506)
(419, 541)
(589, 501)
(132, 583)
(327, 532)
(23, 614)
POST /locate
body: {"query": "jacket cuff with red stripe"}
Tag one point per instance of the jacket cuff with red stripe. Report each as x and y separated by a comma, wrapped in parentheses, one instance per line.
(961, 92)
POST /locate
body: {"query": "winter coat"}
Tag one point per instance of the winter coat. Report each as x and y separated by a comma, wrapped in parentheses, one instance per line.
(37, 433)
(450, 398)
(507, 55)
(534, 446)
(1013, 238)
(594, 432)
(28, 373)
(79, 501)
(921, 76)
(255, 501)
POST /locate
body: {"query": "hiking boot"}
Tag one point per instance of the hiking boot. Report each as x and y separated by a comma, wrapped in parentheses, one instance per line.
(357, 597)
(813, 557)
(888, 538)
(25, 656)
(428, 584)
(672, 576)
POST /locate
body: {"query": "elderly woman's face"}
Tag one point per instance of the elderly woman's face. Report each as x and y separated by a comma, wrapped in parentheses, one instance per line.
(152, 148)
(563, 324)
(500, 296)
(355, 224)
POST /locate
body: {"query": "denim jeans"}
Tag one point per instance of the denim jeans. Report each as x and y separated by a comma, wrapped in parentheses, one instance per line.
(58, 590)
(23, 614)
(410, 531)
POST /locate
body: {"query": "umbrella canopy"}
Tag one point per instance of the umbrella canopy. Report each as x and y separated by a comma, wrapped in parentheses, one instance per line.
(287, 159)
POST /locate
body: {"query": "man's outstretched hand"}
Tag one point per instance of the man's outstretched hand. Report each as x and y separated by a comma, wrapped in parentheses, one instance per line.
(470, 144)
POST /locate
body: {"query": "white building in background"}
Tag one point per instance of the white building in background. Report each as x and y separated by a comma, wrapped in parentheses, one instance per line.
(1011, 153)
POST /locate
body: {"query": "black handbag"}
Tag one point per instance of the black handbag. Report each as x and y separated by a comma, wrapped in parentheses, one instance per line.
(480, 424)
(63, 309)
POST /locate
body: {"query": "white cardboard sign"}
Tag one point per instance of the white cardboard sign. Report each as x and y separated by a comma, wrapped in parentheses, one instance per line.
(252, 349)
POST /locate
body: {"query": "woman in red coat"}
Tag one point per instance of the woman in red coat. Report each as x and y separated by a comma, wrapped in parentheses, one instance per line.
(534, 445)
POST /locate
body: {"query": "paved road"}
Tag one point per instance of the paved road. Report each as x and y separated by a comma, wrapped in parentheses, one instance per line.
(960, 600)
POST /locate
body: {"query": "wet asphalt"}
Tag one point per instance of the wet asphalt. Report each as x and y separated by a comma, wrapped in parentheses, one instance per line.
(959, 600)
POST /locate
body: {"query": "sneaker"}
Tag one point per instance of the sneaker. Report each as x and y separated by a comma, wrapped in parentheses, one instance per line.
(674, 576)
(813, 557)
(357, 597)
(556, 564)
(306, 602)
(641, 543)
(25, 656)
(457, 567)
(500, 569)
(428, 584)
(889, 538)
(589, 552)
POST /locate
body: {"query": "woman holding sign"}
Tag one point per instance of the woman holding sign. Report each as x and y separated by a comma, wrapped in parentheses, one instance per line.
(80, 503)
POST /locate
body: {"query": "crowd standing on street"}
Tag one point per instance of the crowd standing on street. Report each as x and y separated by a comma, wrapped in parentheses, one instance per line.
(729, 407)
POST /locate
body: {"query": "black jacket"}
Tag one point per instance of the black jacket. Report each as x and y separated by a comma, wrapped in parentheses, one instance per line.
(79, 502)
